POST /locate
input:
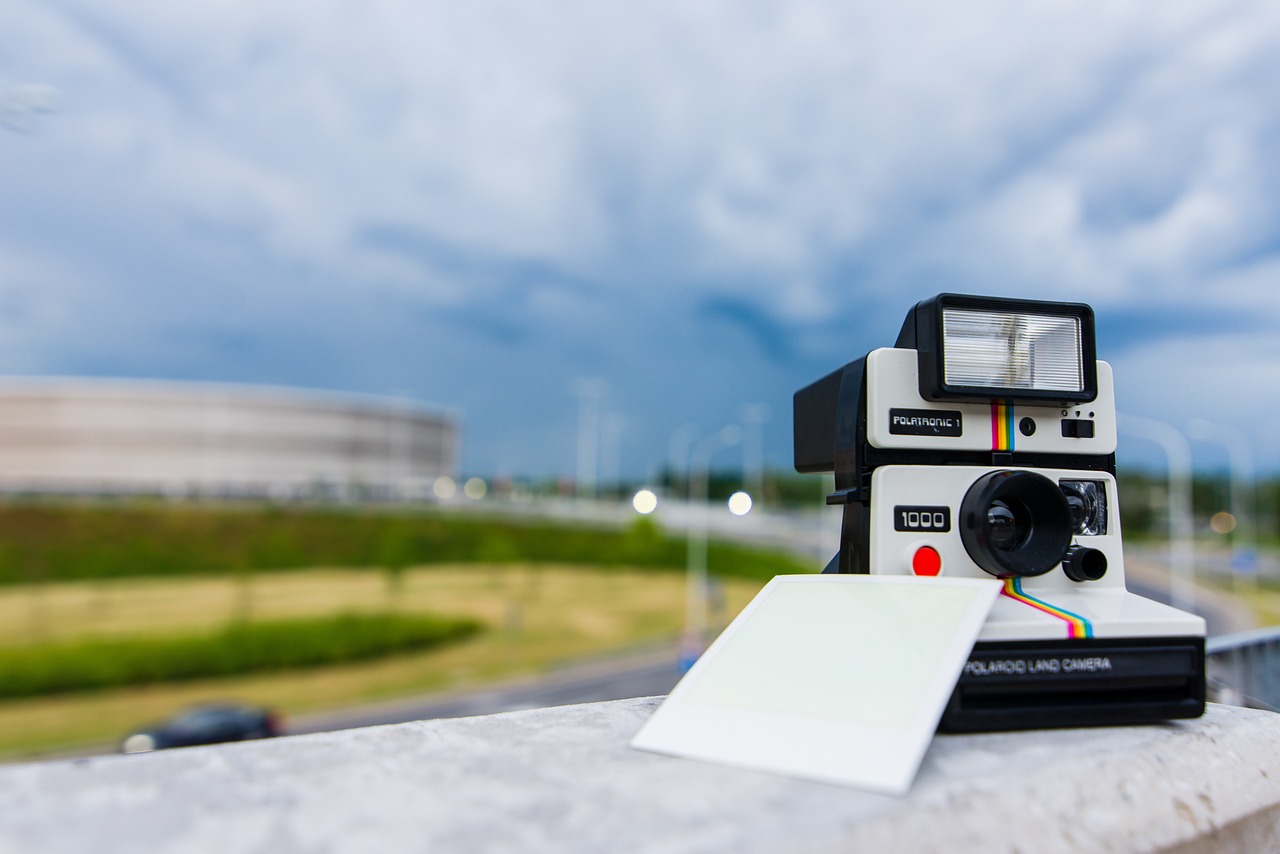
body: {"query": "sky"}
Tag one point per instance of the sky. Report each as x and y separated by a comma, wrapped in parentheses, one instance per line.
(702, 206)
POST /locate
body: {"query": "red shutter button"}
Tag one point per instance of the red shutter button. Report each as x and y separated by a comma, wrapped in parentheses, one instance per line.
(926, 561)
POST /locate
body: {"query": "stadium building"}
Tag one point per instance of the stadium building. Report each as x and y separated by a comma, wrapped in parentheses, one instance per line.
(121, 437)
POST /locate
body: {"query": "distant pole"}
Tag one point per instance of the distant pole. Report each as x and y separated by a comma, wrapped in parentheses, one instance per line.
(611, 449)
(753, 418)
(696, 551)
(1181, 527)
(678, 452)
(1243, 494)
(590, 391)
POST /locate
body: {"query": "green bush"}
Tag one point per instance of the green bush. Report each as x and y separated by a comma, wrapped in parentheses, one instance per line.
(52, 542)
(237, 649)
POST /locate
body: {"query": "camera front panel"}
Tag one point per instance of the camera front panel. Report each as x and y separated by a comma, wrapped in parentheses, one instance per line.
(898, 417)
(918, 523)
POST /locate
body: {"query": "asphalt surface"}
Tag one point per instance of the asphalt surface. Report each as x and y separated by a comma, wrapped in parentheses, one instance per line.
(649, 675)
(1219, 618)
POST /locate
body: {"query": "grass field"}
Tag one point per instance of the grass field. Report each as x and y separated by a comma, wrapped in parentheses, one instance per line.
(538, 616)
(1265, 602)
(60, 541)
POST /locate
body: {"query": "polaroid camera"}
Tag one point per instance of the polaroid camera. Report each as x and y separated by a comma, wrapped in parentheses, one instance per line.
(983, 445)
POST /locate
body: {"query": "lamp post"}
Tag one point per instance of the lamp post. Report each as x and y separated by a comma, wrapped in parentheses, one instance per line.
(590, 391)
(612, 427)
(1181, 542)
(753, 418)
(1242, 496)
(678, 453)
(696, 553)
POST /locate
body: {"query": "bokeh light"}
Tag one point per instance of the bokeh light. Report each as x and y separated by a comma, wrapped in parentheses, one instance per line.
(645, 502)
(1222, 523)
(740, 503)
(444, 488)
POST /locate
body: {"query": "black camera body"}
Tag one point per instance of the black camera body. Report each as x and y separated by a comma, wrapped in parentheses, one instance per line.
(983, 445)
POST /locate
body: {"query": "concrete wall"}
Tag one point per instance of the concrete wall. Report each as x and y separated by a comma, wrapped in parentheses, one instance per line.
(564, 780)
(115, 436)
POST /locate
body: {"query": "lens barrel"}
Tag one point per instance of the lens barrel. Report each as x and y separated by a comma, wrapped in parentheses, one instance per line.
(1015, 523)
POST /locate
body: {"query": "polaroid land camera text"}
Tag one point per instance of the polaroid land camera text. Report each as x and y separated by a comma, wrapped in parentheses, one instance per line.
(983, 444)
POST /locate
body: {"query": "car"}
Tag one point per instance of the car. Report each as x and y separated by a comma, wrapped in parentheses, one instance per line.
(211, 723)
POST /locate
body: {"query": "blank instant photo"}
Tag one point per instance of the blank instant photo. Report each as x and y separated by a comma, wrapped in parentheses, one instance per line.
(835, 678)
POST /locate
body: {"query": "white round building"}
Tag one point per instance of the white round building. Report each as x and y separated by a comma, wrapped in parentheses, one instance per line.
(97, 436)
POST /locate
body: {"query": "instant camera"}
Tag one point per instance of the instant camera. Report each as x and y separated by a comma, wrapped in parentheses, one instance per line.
(982, 444)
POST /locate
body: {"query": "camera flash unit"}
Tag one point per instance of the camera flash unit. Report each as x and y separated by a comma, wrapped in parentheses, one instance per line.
(985, 347)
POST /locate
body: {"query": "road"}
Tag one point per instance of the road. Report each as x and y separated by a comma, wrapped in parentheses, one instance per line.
(1221, 615)
(646, 675)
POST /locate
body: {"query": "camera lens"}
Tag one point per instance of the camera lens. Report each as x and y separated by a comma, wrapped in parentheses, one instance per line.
(1015, 523)
(1003, 529)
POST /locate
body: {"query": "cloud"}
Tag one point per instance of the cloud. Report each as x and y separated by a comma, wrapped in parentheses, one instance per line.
(748, 193)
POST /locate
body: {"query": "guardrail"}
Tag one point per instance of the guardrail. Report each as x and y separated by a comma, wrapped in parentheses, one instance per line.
(1244, 669)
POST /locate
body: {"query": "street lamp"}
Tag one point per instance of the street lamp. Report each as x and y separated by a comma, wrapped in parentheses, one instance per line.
(678, 455)
(590, 391)
(696, 553)
(644, 502)
(611, 429)
(1242, 492)
(1181, 542)
(753, 418)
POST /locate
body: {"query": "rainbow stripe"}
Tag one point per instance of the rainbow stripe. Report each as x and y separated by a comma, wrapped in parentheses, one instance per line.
(1077, 626)
(1001, 426)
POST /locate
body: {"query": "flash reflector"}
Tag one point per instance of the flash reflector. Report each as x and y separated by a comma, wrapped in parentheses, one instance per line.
(1003, 349)
(1024, 351)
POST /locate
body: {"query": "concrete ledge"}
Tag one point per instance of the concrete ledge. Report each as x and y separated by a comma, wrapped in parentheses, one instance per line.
(563, 779)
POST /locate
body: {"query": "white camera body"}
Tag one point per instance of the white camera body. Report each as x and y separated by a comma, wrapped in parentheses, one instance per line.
(982, 445)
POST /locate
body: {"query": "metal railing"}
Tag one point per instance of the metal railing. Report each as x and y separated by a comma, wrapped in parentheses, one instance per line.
(1243, 669)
